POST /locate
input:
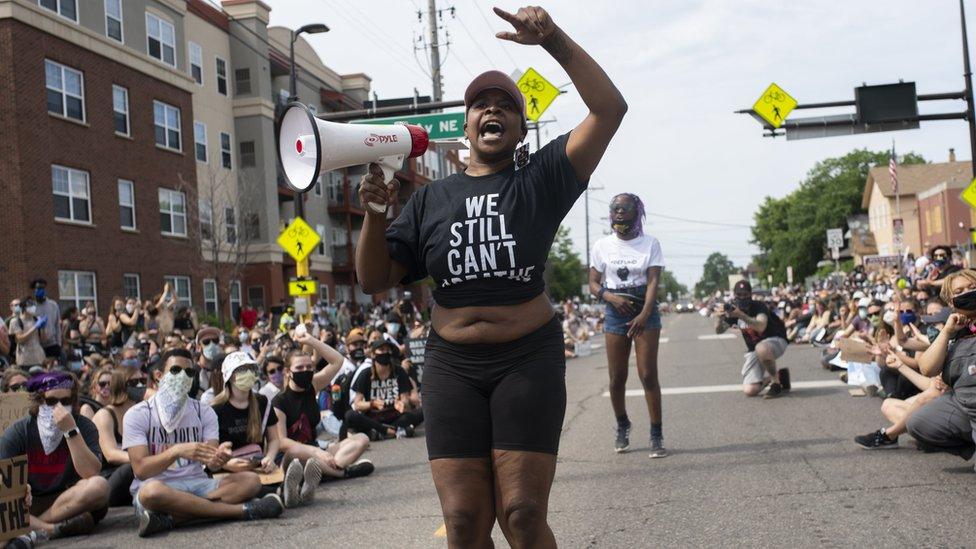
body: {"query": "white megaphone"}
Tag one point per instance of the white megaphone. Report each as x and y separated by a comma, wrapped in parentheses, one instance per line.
(308, 146)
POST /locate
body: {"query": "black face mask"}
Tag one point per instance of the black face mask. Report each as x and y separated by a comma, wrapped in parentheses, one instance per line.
(303, 379)
(743, 303)
(383, 359)
(136, 394)
(965, 302)
(357, 355)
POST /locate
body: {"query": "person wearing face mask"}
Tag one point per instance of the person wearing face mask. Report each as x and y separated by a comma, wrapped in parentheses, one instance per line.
(298, 413)
(113, 329)
(26, 329)
(115, 461)
(765, 338)
(69, 496)
(49, 309)
(132, 319)
(381, 408)
(941, 268)
(208, 347)
(92, 329)
(14, 315)
(624, 271)
(99, 392)
(274, 371)
(170, 439)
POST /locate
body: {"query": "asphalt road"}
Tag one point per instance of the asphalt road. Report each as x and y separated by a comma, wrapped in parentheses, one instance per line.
(743, 472)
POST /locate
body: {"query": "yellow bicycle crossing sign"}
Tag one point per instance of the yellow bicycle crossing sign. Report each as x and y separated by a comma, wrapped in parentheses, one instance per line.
(539, 94)
(774, 105)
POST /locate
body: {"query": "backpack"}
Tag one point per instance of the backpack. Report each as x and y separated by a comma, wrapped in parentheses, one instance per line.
(341, 405)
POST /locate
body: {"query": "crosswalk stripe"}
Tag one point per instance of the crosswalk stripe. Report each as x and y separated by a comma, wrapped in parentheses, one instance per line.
(716, 336)
(703, 389)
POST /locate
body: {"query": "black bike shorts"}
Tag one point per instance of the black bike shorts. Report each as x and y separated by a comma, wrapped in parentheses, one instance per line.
(505, 396)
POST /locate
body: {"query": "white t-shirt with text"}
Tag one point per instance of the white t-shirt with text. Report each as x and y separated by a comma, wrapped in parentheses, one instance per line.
(624, 263)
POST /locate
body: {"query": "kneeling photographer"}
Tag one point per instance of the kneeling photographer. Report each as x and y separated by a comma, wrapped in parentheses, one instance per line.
(765, 337)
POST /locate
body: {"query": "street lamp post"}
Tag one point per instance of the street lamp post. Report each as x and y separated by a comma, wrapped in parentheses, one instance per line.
(311, 28)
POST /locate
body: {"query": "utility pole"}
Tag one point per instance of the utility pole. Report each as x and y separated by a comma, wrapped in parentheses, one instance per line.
(968, 75)
(435, 53)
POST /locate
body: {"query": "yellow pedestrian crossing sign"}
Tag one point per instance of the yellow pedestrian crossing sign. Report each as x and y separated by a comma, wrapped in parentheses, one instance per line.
(774, 105)
(969, 194)
(539, 94)
(303, 286)
(299, 239)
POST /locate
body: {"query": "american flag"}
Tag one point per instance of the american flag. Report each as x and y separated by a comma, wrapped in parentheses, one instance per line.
(893, 171)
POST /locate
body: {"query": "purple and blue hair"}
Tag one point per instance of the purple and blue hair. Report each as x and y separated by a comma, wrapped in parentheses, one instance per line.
(641, 214)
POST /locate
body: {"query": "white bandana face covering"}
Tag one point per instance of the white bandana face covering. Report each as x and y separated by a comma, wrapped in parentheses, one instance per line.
(48, 429)
(171, 399)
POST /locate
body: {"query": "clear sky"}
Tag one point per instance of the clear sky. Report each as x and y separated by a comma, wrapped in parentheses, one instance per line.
(684, 66)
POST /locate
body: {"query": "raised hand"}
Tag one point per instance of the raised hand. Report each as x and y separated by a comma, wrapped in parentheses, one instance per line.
(532, 25)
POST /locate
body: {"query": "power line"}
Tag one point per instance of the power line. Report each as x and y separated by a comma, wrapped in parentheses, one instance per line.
(491, 62)
(686, 220)
(500, 42)
(463, 66)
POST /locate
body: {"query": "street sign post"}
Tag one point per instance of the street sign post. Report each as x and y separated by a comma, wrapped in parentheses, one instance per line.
(774, 105)
(898, 233)
(299, 239)
(539, 93)
(445, 125)
(303, 286)
(835, 238)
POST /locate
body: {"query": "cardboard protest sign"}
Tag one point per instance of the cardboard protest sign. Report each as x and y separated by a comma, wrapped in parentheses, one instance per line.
(13, 406)
(14, 513)
(853, 350)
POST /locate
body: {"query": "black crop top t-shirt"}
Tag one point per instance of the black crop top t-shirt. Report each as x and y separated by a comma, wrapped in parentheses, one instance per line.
(485, 240)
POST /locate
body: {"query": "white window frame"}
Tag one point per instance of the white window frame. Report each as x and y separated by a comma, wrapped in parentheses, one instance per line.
(167, 128)
(162, 45)
(205, 213)
(324, 293)
(195, 59)
(229, 164)
(121, 37)
(320, 229)
(171, 213)
(174, 283)
(115, 110)
(210, 284)
(132, 205)
(138, 295)
(65, 93)
(60, 13)
(79, 300)
(218, 60)
(206, 152)
(71, 194)
(235, 288)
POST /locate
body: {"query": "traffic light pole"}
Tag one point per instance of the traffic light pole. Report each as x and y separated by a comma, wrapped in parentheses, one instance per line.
(968, 76)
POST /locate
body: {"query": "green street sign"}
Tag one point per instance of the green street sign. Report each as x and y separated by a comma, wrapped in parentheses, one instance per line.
(445, 125)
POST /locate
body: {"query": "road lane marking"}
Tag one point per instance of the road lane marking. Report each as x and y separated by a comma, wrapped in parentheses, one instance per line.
(441, 532)
(664, 340)
(703, 389)
(717, 336)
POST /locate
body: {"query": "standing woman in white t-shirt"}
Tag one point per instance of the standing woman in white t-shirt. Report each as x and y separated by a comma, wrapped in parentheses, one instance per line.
(624, 271)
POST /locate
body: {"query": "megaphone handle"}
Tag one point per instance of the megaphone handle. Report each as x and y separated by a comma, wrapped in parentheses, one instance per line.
(387, 177)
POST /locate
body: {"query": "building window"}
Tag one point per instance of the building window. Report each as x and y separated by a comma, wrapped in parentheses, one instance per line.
(210, 296)
(65, 8)
(200, 141)
(221, 76)
(113, 19)
(120, 108)
(196, 62)
(71, 194)
(75, 288)
(252, 227)
(255, 296)
(167, 125)
(206, 220)
(318, 186)
(246, 154)
(130, 286)
(320, 229)
(231, 225)
(127, 205)
(65, 91)
(235, 299)
(181, 289)
(172, 212)
(324, 293)
(161, 39)
(242, 81)
(225, 150)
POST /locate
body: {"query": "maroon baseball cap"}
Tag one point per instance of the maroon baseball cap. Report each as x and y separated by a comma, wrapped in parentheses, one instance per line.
(494, 80)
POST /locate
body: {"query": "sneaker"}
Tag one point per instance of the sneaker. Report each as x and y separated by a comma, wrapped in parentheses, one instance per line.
(405, 432)
(270, 506)
(151, 522)
(784, 379)
(313, 476)
(623, 439)
(26, 541)
(375, 435)
(292, 484)
(877, 440)
(80, 525)
(657, 448)
(775, 391)
(361, 468)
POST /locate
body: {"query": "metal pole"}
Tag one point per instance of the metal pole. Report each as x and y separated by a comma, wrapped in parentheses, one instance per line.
(968, 75)
(538, 143)
(435, 55)
(293, 94)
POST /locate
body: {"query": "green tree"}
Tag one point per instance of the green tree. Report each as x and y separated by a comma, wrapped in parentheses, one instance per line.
(792, 230)
(715, 275)
(565, 270)
(668, 284)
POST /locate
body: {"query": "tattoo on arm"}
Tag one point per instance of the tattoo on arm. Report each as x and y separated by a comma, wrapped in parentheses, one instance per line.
(558, 47)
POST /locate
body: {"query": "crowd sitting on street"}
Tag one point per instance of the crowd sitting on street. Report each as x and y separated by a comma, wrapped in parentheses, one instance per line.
(903, 332)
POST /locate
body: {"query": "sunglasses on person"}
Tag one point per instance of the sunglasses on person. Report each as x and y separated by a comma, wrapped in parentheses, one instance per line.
(190, 372)
(207, 341)
(17, 387)
(622, 208)
(103, 384)
(273, 371)
(939, 256)
(135, 382)
(51, 401)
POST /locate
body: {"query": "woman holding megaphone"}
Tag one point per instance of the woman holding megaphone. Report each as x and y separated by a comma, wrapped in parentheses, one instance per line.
(494, 389)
